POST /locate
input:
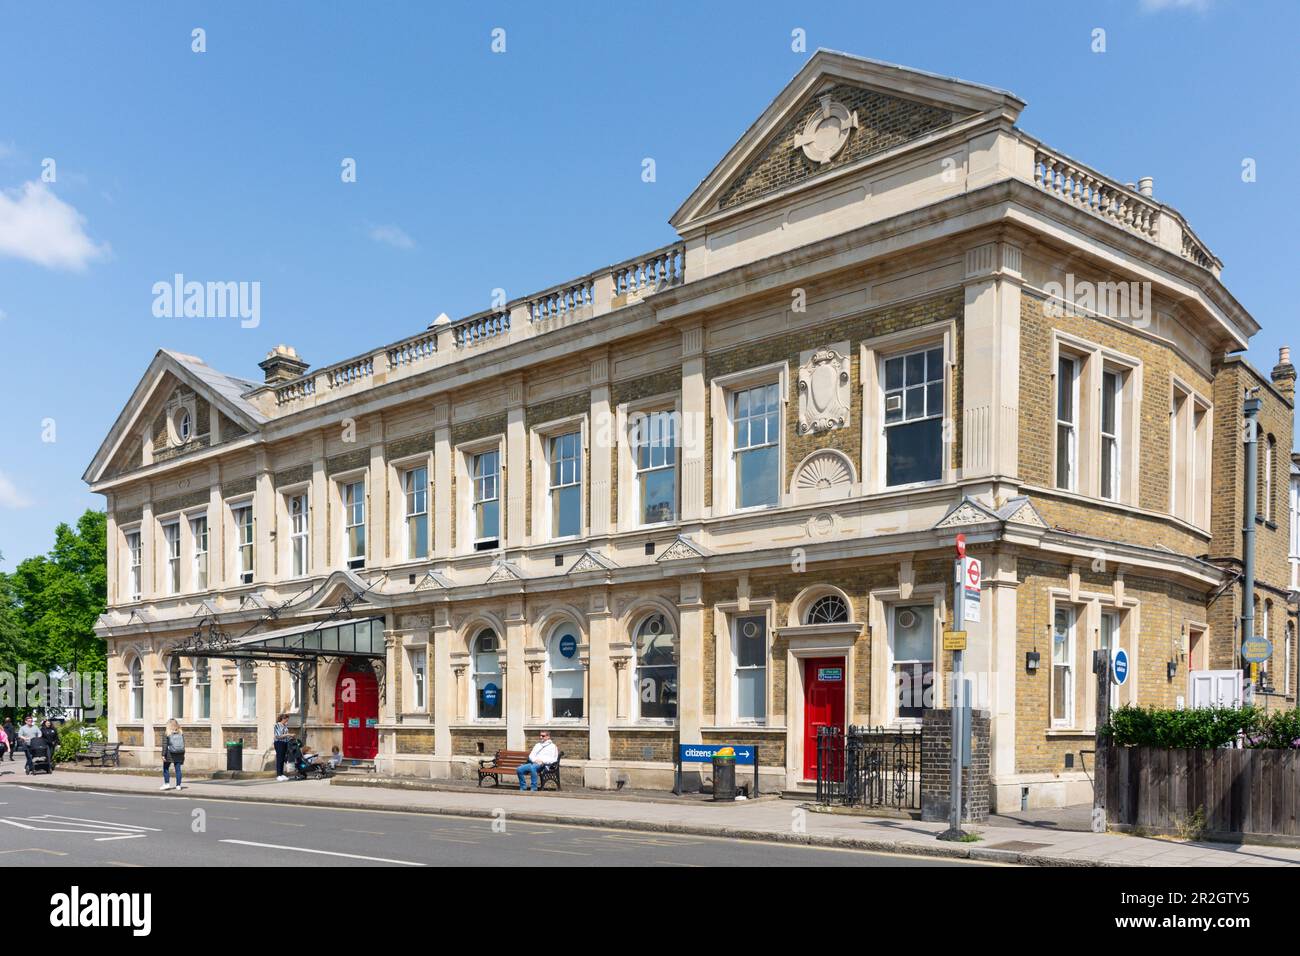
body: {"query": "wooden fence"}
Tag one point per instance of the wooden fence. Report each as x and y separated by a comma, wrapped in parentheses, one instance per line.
(1239, 793)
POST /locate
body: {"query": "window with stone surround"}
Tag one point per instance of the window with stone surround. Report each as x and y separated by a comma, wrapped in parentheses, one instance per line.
(134, 553)
(748, 412)
(199, 551)
(247, 691)
(911, 660)
(1064, 620)
(1190, 420)
(564, 492)
(1267, 465)
(175, 689)
(1110, 637)
(419, 679)
(202, 689)
(749, 647)
(299, 533)
(242, 515)
(415, 495)
(565, 675)
(488, 685)
(1095, 400)
(172, 556)
(354, 522)
(654, 444)
(655, 691)
(914, 414)
(137, 690)
(485, 473)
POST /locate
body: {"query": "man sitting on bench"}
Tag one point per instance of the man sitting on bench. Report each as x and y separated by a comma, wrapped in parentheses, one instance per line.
(544, 752)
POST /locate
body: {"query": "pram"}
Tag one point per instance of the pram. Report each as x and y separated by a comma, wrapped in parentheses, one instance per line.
(39, 750)
(305, 769)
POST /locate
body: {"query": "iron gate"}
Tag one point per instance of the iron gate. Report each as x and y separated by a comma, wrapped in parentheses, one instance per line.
(869, 767)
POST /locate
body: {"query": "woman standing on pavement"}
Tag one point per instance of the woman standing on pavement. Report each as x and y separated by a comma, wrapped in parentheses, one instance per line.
(11, 732)
(282, 735)
(173, 754)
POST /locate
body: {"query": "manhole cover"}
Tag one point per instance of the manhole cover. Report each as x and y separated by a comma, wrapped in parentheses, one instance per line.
(1018, 846)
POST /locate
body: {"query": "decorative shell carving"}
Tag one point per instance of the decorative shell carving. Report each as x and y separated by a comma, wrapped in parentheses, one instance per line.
(824, 470)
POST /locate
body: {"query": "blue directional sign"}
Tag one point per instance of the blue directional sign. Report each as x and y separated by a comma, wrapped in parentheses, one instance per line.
(568, 646)
(703, 753)
(1119, 666)
(490, 692)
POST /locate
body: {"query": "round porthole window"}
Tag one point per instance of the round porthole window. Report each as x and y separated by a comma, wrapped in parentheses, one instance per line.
(183, 426)
(749, 629)
(906, 619)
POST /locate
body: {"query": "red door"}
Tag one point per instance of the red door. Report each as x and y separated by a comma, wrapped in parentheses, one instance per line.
(356, 707)
(823, 704)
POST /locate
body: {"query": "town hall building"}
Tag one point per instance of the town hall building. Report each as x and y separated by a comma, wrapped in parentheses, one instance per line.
(710, 494)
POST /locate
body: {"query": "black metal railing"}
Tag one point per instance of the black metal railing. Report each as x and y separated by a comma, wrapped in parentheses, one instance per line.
(869, 767)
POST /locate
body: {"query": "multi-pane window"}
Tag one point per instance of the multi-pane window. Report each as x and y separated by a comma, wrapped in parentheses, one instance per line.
(654, 443)
(172, 566)
(1067, 422)
(911, 650)
(299, 534)
(487, 500)
(656, 669)
(914, 410)
(133, 576)
(243, 515)
(199, 542)
(354, 524)
(1110, 643)
(750, 651)
(415, 491)
(566, 484)
(419, 664)
(565, 674)
(175, 689)
(830, 609)
(247, 691)
(202, 688)
(756, 417)
(1270, 458)
(1063, 667)
(489, 689)
(137, 690)
(1112, 384)
(1189, 456)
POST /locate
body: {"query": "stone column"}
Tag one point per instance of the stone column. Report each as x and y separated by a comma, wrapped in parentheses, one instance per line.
(690, 660)
(515, 674)
(148, 550)
(114, 556)
(264, 521)
(319, 503)
(694, 393)
(602, 447)
(377, 549)
(442, 509)
(443, 682)
(216, 530)
(1007, 667)
(600, 699)
(516, 489)
(991, 362)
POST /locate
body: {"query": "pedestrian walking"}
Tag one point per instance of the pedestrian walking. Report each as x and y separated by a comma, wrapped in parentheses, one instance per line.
(173, 754)
(12, 733)
(50, 734)
(26, 734)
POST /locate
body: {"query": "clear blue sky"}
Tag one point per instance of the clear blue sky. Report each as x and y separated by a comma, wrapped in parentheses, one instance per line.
(479, 170)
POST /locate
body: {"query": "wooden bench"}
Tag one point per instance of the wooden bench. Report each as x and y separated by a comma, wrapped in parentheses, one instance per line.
(507, 762)
(101, 754)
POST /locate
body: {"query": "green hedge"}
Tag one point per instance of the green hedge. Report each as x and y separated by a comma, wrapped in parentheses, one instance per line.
(1204, 727)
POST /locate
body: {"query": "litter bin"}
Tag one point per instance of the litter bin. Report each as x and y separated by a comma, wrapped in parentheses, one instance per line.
(235, 754)
(724, 776)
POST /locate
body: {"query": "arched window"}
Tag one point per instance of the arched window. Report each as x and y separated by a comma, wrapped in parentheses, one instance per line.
(1270, 458)
(175, 689)
(489, 692)
(137, 690)
(202, 688)
(564, 673)
(247, 691)
(656, 668)
(829, 609)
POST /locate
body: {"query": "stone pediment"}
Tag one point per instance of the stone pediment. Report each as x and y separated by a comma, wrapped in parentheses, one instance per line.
(968, 511)
(433, 581)
(505, 571)
(837, 111)
(591, 560)
(684, 549)
(1020, 510)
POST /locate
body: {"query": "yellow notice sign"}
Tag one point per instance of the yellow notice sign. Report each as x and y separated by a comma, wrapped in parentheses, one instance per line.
(954, 640)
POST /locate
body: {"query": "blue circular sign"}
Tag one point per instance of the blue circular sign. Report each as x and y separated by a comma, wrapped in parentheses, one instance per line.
(568, 645)
(1119, 666)
(490, 692)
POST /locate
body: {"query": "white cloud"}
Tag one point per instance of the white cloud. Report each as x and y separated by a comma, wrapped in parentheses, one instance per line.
(10, 496)
(394, 236)
(38, 226)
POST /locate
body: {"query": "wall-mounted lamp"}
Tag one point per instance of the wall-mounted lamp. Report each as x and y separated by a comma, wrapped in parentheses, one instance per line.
(1031, 661)
(1171, 669)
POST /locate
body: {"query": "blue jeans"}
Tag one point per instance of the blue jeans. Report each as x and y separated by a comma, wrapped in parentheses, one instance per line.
(528, 768)
(167, 779)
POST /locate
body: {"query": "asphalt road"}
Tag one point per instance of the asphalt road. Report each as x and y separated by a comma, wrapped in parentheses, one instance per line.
(42, 827)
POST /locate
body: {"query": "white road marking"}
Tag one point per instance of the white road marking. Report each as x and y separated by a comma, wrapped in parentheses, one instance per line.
(79, 825)
(128, 836)
(300, 849)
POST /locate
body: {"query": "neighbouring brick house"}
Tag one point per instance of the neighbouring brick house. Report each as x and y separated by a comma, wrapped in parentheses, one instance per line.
(711, 494)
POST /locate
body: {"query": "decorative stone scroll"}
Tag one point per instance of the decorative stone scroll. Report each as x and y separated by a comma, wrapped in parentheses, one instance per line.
(824, 401)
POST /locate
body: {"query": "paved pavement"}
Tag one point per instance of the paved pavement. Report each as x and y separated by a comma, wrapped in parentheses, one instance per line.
(771, 820)
(41, 826)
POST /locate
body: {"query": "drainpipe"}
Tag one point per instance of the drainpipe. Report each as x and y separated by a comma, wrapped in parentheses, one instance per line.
(1250, 408)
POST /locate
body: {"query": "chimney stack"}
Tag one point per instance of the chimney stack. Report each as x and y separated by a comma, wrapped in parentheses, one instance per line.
(1284, 373)
(1147, 186)
(282, 365)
